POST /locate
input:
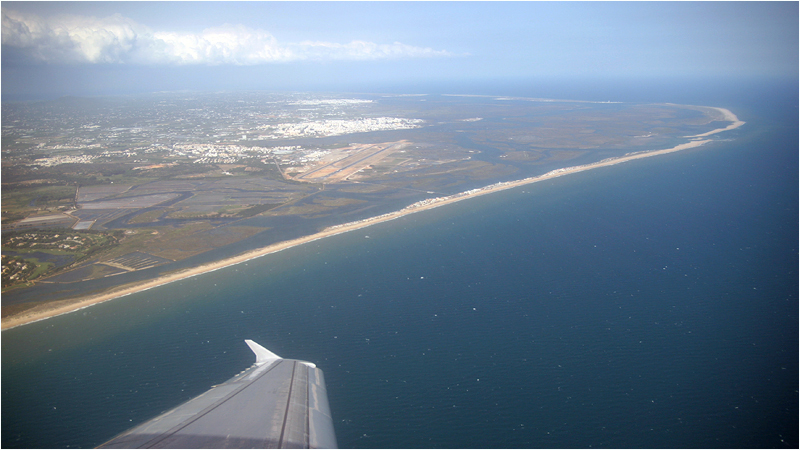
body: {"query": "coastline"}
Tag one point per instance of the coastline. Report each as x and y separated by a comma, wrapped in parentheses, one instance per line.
(60, 307)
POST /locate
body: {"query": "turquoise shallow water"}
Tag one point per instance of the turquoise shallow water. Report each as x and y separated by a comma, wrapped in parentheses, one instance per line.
(650, 304)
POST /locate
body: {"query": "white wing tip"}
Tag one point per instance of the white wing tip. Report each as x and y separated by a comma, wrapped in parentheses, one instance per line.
(262, 354)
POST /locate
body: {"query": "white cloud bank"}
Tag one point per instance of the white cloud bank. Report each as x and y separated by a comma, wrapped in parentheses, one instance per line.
(120, 40)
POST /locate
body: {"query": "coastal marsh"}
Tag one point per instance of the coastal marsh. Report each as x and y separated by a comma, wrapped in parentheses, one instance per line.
(180, 192)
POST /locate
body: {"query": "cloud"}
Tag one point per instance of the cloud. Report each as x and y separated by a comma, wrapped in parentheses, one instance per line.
(228, 44)
(360, 50)
(72, 38)
(119, 40)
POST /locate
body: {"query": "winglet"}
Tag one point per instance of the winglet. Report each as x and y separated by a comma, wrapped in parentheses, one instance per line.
(262, 355)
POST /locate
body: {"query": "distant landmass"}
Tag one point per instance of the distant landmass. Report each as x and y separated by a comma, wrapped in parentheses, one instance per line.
(107, 196)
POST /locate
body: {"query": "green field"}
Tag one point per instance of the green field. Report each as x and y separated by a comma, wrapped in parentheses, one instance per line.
(81, 245)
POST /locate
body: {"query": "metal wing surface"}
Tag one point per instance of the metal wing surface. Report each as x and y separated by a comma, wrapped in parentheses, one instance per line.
(276, 403)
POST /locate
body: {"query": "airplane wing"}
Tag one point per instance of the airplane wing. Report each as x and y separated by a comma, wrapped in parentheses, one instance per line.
(276, 403)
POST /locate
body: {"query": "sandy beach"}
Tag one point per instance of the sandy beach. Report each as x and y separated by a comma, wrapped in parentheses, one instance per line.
(56, 308)
(730, 117)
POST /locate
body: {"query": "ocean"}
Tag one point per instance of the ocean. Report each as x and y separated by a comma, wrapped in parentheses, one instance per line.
(648, 304)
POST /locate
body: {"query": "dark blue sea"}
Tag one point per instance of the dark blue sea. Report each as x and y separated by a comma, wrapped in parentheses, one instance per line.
(649, 304)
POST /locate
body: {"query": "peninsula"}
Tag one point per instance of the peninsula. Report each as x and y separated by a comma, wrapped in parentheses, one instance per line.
(173, 201)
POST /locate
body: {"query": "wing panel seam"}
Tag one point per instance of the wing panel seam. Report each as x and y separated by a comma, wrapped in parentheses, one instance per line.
(288, 404)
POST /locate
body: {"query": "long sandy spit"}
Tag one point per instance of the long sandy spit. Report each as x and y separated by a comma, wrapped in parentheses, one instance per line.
(56, 308)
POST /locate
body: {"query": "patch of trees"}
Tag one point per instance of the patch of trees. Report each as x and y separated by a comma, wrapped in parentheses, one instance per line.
(257, 209)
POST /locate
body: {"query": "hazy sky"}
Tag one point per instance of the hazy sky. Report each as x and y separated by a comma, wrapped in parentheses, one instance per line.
(84, 48)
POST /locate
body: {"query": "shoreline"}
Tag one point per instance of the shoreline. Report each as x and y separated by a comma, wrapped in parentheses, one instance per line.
(59, 307)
